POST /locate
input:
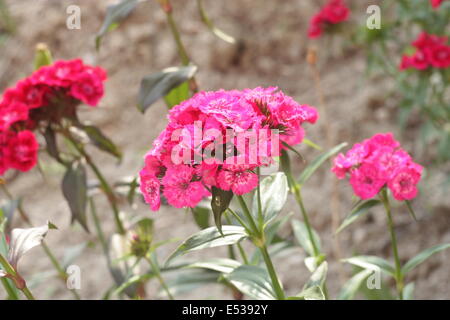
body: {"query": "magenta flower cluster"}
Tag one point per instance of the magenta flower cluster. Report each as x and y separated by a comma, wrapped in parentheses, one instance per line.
(226, 135)
(378, 162)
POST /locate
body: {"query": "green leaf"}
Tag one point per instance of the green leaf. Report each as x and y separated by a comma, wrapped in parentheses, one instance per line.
(189, 281)
(302, 236)
(51, 144)
(351, 287)
(312, 144)
(357, 211)
(421, 257)
(318, 278)
(158, 85)
(313, 166)
(74, 187)
(219, 203)
(177, 95)
(114, 15)
(411, 210)
(217, 264)
(372, 262)
(310, 293)
(201, 216)
(274, 190)
(101, 141)
(408, 291)
(209, 238)
(252, 281)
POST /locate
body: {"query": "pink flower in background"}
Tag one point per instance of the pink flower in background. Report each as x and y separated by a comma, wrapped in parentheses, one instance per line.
(431, 51)
(204, 133)
(150, 188)
(62, 85)
(436, 3)
(335, 11)
(21, 151)
(376, 163)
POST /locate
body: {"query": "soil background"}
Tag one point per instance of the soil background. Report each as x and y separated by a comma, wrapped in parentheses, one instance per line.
(273, 51)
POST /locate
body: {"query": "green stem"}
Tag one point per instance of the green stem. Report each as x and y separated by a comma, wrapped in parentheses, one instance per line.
(273, 276)
(241, 250)
(259, 241)
(249, 216)
(62, 274)
(18, 280)
(98, 227)
(157, 272)
(242, 222)
(298, 198)
(185, 60)
(398, 266)
(104, 184)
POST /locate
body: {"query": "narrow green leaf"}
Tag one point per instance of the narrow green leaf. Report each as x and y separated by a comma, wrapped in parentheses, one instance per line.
(358, 211)
(217, 264)
(318, 277)
(219, 203)
(421, 257)
(51, 145)
(372, 262)
(158, 85)
(311, 293)
(209, 238)
(252, 281)
(189, 281)
(74, 187)
(114, 15)
(313, 166)
(219, 33)
(301, 234)
(101, 141)
(351, 287)
(312, 144)
(411, 210)
(408, 291)
(274, 191)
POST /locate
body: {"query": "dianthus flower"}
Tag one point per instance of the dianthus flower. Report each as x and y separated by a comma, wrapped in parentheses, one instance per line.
(335, 11)
(218, 139)
(49, 94)
(431, 51)
(378, 162)
(436, 3)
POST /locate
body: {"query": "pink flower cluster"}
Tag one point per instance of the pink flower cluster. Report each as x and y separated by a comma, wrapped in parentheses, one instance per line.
(335, 11)
(39, 97)
(377, 162)
(436, 3)
(226, 135)
(432, 51)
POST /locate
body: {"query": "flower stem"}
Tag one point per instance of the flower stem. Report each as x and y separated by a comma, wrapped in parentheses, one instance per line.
(185, 60)
(18, 280)
(157, 272)
(298, 198)
(241, 250)
(398, 267)
(259, 241)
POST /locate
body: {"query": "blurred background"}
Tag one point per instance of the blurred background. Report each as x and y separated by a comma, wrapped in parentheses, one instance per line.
(271, 51)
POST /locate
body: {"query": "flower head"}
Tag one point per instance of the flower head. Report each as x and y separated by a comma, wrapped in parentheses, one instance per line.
(334, 12)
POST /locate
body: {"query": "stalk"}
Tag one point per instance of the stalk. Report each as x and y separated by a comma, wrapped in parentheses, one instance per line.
(157, 272)
(259, 241)
(18, 280)
(398, 266)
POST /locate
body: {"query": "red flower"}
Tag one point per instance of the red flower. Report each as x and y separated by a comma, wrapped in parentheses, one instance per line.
(333, 12)
(21, 151)
(439, 56)
(87, 88)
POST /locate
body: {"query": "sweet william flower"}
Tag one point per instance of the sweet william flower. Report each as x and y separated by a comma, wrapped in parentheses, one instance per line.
(334, 12)
(150, 188)
(237, 177)
(21, 151)
(404, 183)
(376, 163)
(436, 3)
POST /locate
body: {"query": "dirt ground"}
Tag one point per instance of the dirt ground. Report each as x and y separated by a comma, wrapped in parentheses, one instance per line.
(273, 33)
